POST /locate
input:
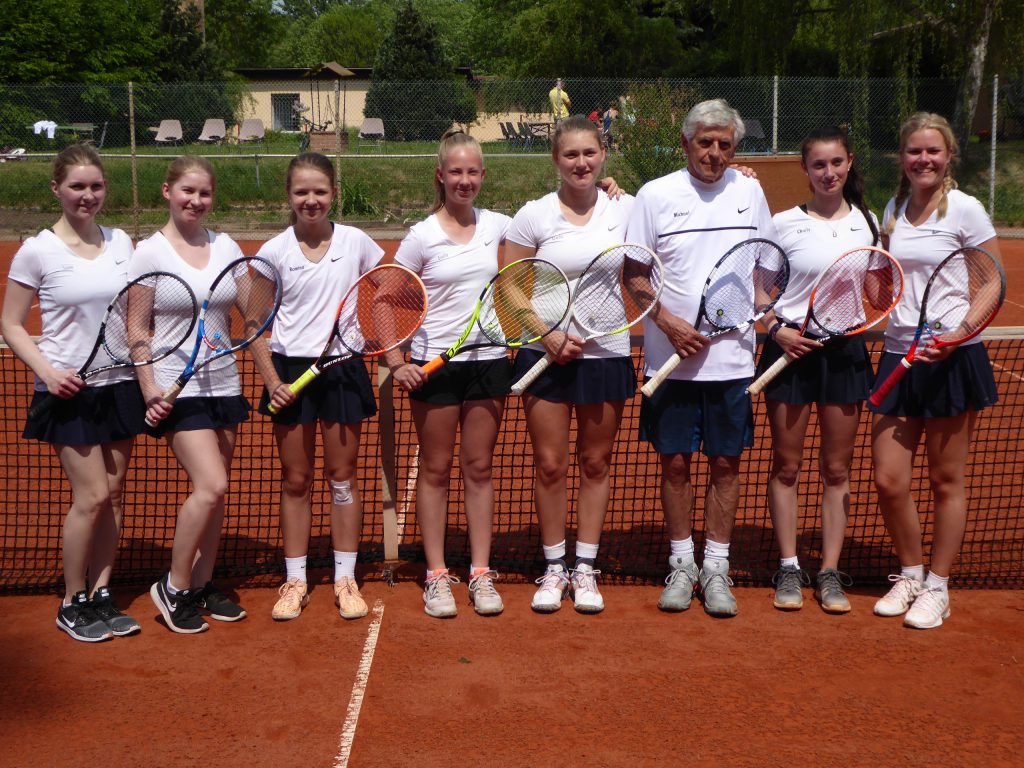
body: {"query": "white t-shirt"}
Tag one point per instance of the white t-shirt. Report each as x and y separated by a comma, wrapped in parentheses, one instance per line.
(219, 378)
(920, 249)
(73, 295)
(812, 245)
(454, 275)
(540, 224)
(313, 291)
(691, 225)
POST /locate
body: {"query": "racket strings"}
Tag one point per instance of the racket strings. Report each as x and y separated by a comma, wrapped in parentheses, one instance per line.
(149, 319)
(524, 302)
(241, 305)
(618, 288)
(965, 293)
(856, 291)
(384, 308)
(745, 284)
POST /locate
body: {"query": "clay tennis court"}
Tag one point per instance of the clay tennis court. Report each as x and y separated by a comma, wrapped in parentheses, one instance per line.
(631, 686)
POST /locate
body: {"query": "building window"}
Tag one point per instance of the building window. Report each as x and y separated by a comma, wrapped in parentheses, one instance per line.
(283, 107)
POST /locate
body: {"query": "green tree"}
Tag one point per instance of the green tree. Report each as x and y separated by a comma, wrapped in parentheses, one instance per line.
(413, 89)
(349, 33)
(244, 31)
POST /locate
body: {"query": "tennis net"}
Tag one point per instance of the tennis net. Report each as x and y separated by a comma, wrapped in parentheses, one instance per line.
(34, 498)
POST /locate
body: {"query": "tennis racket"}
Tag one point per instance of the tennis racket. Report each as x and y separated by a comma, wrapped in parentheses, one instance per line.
(244, 298)
(856, 292)
(741, 288)
(963, 295)
(614, 292)
(148, 319)
(521, 304)
(381, 310)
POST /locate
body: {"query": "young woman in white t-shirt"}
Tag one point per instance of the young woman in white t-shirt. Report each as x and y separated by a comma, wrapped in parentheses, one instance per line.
(319, 261)
(455, 252)
(593, 380)
(73, 270)
(201, 426)
(835, 378)
(939, 399)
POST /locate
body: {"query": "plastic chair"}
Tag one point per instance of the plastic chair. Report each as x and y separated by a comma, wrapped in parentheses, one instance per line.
(213, 131)
(169, 132)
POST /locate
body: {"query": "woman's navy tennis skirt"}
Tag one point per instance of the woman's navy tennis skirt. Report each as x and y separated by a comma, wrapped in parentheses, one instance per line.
(837, 374)
(962, 382)
(582, 382)
(342, 393)
(458, 382)
(207, 412)
(94, 416)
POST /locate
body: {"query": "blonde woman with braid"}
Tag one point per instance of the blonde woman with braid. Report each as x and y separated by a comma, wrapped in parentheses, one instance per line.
(455, 251)
(939, 402)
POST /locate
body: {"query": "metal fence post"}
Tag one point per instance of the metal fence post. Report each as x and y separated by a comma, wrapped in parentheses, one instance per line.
(135, 160)
(775, 115)
(337, 143)
(992, 149)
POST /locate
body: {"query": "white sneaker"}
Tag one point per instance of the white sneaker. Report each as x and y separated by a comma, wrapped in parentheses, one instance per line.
(585, 594)
(438, 600)
(552, 587)
(485, 598)
(929, 609)
(900, 597)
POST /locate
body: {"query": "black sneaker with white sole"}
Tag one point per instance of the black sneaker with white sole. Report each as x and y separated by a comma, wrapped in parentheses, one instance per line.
(217, 604)
(179, 610)
(120, 624)
(81, 622)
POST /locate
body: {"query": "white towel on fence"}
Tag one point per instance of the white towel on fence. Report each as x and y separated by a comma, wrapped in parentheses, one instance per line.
(45, 125)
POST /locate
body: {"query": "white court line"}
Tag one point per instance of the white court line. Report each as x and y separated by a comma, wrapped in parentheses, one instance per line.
(1008, 372)
(410, 487)
(355, 703)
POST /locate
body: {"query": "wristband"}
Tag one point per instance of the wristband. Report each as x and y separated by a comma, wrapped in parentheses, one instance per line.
(775, 329)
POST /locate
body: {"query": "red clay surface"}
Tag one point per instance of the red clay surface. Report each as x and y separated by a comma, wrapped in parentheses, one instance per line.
(631, 687)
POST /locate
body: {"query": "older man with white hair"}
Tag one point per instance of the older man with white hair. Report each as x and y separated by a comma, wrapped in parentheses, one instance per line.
(691, 218)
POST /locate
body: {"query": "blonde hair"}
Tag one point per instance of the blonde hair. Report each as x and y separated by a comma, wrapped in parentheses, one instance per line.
(921, 121)
(187, 164)
(72, 156)
(452, 140)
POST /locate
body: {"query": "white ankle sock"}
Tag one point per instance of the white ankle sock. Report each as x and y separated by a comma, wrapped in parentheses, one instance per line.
(937, 582)
(789, 562)
(915, 572)
(715, 551)
(344, 564)
(295, 568)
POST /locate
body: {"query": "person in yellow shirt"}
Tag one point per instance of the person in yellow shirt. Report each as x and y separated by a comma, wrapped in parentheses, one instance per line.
(560, 102)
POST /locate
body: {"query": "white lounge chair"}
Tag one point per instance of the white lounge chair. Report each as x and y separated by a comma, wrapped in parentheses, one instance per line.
(169, 132)
(213, 132)
(251, 130)
(371, 133)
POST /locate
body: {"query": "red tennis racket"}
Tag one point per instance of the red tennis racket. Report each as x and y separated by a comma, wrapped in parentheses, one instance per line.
(856, 292)
(963, 295)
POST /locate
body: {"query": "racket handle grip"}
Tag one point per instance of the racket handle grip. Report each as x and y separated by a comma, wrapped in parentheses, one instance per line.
(660, 375)
(304, 380)
(769, 375)
(43, 407)
(890, 383)
(169, 397)
(434, 365)
(532, 375)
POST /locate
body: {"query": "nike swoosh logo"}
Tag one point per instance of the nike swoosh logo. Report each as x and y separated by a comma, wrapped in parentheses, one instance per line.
(856, 229)
(336, 258)
(122, 261)
(612, 226)
(69, 624)
(743, 210)
(488, 242)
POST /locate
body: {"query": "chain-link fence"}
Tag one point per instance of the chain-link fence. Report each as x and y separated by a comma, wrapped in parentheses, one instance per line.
(384, 137)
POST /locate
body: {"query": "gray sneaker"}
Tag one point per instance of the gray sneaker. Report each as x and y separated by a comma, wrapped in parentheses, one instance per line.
(679, 584)
(714, 587)
(789, 583)
(831, 591)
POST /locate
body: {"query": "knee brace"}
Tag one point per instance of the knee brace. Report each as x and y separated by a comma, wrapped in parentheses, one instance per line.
(341, 492)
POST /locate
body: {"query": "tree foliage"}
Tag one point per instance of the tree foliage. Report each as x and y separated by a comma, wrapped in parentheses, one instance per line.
(244, 31)
(649, 128)
(413, 89)
(348, 33)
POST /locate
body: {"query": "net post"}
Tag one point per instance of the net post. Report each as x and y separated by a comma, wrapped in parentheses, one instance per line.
(388, 475)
